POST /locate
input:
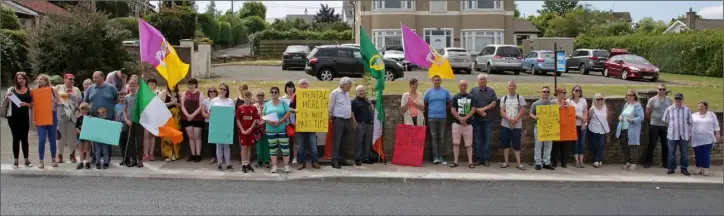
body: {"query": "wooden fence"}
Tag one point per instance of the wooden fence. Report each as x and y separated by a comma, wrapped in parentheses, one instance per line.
(275, 48)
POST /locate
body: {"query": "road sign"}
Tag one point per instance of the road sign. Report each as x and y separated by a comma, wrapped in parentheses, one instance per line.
(561, 61)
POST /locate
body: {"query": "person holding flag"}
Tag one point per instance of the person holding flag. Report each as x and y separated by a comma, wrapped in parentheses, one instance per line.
(419, 52)
(151, 112)
(373, 64)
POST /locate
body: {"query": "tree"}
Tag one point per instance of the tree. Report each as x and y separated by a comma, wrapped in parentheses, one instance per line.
(81, 42)
(326, 15)
(516, 13)
(253, 8)
(648, 25)
(174, 4)
(558, 7)
(127, 23)
(209, 26)
(114, 8)
(577, 21)
(283, 24)
(174, 23)
(255, 24)
(212, 11)
(8, 19)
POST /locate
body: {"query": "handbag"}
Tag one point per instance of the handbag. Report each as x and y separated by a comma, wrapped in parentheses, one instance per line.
(289, 129)
(5, 105)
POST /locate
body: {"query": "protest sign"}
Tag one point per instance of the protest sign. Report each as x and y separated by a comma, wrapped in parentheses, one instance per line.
(100, 130)
(547, 126)
(409, 145)
(42, 106)
(568, 124)
(221, 125)
(312, 110)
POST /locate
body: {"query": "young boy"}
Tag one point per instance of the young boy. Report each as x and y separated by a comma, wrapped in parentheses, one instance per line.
(84, 144)
(246, 118)
(102, 149)
(124, 130)
(133, 151)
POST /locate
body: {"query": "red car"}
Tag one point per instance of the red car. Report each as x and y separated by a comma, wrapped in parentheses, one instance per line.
(629, 66)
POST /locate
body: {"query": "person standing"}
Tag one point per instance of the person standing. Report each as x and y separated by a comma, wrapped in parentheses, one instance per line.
(411, 106)
(102, 97)
(191, 102)
(262, 143)
(486, 101)
(560, 148)
(704, 133)
(655, 108)
(71, 98)
(83, 145)
(48, 131)
(542, 152)
(462, 109)
(340, 113)
(149, 140)
(363, 112)
(512, 110)
(289, 91)
(223, 151)
(275, 132)
(678, 118)
(581, 106)
(305, 139)
(117, 79)
(628, 130)
(598, 126)
(211, 93)
(238, 101)
(18, 116)
(246, 119)
(169, 150)
(438, 102)
(134, 145)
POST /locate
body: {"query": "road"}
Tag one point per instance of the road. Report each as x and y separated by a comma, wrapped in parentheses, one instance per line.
(97, 195)
(275, 73)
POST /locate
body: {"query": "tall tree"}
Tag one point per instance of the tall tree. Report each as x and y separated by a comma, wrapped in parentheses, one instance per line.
(212, 11)
(558, 7)
(648, 25)
(253, 8)
(516, 13)
(326, 15)
(187, 3)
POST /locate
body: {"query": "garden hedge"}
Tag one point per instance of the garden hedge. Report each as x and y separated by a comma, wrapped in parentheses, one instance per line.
(695, 52)
(14, 52)
(295, 34)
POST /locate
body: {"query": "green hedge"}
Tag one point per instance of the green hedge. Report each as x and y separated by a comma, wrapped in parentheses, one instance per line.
(127, 23)
(695, 53)
(294, 34)
(13, 53)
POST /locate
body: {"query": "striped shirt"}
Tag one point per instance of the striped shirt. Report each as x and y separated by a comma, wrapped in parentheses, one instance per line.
(679, 122)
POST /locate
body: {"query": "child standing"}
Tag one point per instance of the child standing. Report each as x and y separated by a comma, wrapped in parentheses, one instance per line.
(84, 144)
(246, 119)
(124, 130)
(102, 149)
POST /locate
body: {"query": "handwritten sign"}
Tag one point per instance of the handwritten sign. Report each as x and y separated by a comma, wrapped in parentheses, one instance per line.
(42, 106)
(568, 124)
(409, 145)
(547, 126)
(221, 125)
(100, 130)
(312, 110)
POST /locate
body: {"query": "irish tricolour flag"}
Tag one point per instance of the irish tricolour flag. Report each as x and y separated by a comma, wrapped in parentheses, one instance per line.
(152, 114)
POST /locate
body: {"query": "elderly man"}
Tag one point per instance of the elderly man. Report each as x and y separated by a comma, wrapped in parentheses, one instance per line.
(364, 117)
(101, 96)
(678, 118)
(305, 139)
(71, 97)
(485, 102)
(340, 113)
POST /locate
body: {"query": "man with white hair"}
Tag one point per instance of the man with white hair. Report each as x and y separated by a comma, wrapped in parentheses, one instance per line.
(340, 113)
(364, 118)
(485, 102)
(304, 139)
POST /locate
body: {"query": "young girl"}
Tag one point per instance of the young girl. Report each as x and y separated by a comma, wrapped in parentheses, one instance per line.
(246, 119)
(102, 149)
(223, 151)
(83, 145)
(124, 130)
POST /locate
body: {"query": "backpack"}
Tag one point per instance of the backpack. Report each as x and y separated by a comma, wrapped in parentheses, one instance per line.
(517, 96)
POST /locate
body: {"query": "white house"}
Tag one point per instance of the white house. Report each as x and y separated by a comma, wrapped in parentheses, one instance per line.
(693, 23)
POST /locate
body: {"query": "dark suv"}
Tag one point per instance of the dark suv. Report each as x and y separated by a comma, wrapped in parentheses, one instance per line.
(330, 61)
(587, 60)
(295, 56)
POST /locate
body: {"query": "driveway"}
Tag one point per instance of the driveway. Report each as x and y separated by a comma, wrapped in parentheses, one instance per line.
(275, 73)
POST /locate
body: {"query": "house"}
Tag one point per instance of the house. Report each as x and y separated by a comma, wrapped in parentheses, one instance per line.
(691, 22)
(471, 24)
(308, 18)
(348, 11)
(30, 12)
(524, 30)
(621, 16)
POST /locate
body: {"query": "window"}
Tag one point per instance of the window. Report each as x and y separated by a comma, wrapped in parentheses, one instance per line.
(357, 54)
(438, 6)
(344, 53)
(475, 40)
(382, 38)
(393, 4)
(520, 38)
(297, 49)
(481, 4)
(508, 51)
(601, 53)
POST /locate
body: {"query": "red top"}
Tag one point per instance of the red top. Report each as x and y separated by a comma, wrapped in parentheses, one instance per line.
(191, 103)
(247, 115)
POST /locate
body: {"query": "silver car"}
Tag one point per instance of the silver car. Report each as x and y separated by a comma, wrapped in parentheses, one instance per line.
(499, 58)
(459, 59)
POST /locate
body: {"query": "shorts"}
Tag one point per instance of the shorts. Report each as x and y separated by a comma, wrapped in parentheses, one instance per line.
(466, 132)
(197, 124)
(508, 136)
(246, 140)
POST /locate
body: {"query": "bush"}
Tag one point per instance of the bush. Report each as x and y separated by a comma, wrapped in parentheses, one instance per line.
(8, 19)
(209, 26)
(295, 34)
(13, 53)
(225, 36)
(174, 24)
(255, 24)
(695, 53)
(128, 23)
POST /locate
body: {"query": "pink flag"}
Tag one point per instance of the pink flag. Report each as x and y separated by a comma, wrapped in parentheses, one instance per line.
(156, 51)
(417, 51)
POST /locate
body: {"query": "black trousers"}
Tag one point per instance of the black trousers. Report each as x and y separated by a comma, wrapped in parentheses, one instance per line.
(132, 143)
(657, 132)
(560, 151)
(19, 128)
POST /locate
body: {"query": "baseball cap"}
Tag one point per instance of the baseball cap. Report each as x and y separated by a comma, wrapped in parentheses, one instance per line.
(678, 96)
(68, 76)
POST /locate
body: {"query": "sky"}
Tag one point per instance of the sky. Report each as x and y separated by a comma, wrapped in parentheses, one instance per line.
(665, 10)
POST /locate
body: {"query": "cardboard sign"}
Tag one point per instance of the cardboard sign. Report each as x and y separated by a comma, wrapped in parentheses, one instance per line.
(221, 125)
(42, 106)
(568, 124)
(100, 130)
(548, 127)
(409, 145)
(312, 110)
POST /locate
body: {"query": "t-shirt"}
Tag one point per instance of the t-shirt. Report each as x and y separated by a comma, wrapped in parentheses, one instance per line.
(118, 108)
(246, 114)
(627, 112)
(207, 107)
(79, 122)
(484, 97)
(511, 104)
(280, 109)
(580, 106)
(130, 104)
(362, 110)
(463, 104)
(436, 100)
(658, 105)
(539, 102)
(102, 96)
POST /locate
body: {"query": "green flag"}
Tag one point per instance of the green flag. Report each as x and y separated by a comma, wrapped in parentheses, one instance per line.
(375, 65)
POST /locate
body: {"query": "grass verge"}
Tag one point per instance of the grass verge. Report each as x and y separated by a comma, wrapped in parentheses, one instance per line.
(252, 63)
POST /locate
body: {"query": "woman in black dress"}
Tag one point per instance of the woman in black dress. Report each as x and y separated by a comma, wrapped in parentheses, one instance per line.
(19, 116)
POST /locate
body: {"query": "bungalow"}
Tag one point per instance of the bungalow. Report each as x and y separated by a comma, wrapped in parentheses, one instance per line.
(691, 22)
(524, 30)
(30, 11)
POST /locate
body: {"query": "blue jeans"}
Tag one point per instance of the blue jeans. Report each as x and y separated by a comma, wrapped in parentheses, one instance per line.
(306, 140)
(684, 159)
(481, 137)
(578, 148)
(597, 143)
(702, 155)
(48, 132)
(102, 148)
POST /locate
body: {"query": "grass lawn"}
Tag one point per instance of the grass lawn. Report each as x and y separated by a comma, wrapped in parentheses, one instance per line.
(252, 63)
(694, 88)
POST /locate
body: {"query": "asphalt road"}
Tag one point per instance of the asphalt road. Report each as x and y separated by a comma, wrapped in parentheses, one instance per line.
(275, 73)
(36, 195)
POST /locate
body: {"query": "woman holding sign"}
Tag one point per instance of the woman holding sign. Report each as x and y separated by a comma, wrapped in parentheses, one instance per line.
(628, 130)
(411, 105)
(18, 100)
(560, 148)
(47, 122)
(223, 152)
(276, 113)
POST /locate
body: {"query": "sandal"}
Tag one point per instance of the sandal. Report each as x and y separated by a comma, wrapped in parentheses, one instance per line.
(471, 166)
(453, 165)
(504, 165)
(15, 164)
(520, 167)
(55, 164)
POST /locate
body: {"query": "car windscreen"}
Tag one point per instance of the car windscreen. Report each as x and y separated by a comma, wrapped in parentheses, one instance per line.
(297, 49)
(546, 55)
(604, 54)
(632, 59)
(508, 51)
(457, 51)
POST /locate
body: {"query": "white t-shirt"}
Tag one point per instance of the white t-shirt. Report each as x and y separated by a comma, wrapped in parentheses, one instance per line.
(581, 106)
(512, 108)
(703, 129)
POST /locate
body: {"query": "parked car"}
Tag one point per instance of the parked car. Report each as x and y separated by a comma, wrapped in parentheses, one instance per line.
(396, 53)
(587, 60)
(352, 45)
(494, 58)
(628, 66)
(330, 61)
(539, 62)
(459, 59)
(295, 56)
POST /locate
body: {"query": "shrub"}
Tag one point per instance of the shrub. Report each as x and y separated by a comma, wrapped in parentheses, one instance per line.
(295, 34)
(8, 19)
(174, 24)
(127, 23)
(13, 53)
(695, 53)
(209, 26)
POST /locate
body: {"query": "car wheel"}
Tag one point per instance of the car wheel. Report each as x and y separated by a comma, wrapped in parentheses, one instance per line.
(475, 66)
(325, 74)
(654, 79)
(284, 68)
(488, 69)
(582, 69)
(624, 74)
(533, 71)
(517, 72)
(389, 75)
(605, 73)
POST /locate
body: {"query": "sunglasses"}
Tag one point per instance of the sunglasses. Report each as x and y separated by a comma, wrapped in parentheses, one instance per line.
(274, 92)
(599, 99)
(546, 92)
(662, 89)
(577, 90)
(222, 89)
(20, 73)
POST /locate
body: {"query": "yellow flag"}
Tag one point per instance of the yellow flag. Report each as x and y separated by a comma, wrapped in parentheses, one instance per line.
(441, 67)
(172, 69)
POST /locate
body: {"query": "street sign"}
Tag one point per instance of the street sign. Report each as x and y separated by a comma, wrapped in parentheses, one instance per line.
(560, 61)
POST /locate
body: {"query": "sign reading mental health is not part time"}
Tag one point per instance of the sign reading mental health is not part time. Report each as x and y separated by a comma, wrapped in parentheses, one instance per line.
(312, 110)
(548, 127)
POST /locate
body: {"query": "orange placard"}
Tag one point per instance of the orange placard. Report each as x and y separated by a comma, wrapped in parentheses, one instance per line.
(568, 123)
(42, 106)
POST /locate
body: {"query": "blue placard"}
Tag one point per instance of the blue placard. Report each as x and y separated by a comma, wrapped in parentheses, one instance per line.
(221, 125)
(100, 130)
(561, 61)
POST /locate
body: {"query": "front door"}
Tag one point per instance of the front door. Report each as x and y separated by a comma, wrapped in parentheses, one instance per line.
(438, 42)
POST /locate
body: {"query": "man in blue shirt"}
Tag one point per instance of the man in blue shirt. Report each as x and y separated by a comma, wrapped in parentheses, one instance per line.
(437, 101)
(101, 95)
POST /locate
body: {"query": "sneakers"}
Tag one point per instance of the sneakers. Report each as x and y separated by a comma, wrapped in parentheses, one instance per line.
(230, 168)
(294, 161)
(287, 169)
(145, 158)
(173, 158)
(105, 166)
(316, 165)
(80, 166)
(151, 158)
(595, 165)
(218, 167)
(87, 165)
(213, 160)
(537, 167)
(436, 161)
(626, 166)
(274, 169)
(632, 167)
(167, 159)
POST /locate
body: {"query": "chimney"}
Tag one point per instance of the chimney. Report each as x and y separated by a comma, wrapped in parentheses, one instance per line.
(306, 12)
(691, 19)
